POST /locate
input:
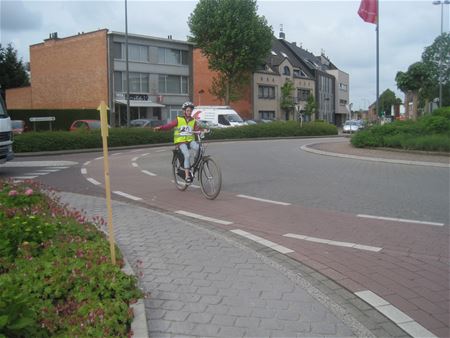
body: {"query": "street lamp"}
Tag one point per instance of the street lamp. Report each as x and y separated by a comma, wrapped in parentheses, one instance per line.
(442, 3)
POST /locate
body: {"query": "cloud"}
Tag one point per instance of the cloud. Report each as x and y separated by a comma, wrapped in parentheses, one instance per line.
(15, 16)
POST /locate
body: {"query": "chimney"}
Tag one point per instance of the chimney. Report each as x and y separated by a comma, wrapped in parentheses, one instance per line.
(282, 35)
(169, 37)
(294, 43)
(53, 36)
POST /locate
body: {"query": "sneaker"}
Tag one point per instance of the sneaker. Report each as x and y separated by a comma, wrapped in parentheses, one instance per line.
(189, 179)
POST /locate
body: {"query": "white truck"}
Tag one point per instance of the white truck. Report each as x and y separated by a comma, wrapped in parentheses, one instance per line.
(6, 135)
(218, 116)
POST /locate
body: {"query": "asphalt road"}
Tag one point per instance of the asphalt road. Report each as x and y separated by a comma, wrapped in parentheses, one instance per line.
(311, 205)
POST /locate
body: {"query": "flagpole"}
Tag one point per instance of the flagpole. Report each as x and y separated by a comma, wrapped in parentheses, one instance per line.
(378, 58)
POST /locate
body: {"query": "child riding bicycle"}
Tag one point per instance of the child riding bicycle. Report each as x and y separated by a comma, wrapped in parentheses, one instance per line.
(183, 136)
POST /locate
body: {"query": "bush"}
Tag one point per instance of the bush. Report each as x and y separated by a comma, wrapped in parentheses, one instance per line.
(55, 272)
(429, 133)
(118, 137)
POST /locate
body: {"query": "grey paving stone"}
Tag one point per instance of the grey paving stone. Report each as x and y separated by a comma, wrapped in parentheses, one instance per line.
(223, 320)
(177, 316)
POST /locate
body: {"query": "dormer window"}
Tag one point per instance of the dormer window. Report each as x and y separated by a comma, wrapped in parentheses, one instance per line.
(286, 71)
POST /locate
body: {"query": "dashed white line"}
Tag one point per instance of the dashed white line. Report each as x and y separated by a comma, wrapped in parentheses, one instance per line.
(145, 154)
(87, 163)
(134, 164)
(204, 218)
(400, 220)
(263, 200)
(37, 174)
(148, 173)
(115, 154)
(131, 197)
(262, 241)
(160, 150)
(398, 317)
(134, 159)
(23, 177)
(93, 181)
(98, 158)
(49, 170)
(83, 171)
(335, 243)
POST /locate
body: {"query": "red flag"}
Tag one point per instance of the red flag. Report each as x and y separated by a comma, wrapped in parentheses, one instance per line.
(368, 11)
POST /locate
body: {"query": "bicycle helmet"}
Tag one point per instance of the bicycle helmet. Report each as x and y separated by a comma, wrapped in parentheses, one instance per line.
(187, 104)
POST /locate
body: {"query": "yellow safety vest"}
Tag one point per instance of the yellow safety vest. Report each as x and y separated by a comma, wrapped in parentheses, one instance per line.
(183, 130)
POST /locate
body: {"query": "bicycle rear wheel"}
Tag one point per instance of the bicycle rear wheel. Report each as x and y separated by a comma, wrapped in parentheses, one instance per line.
(178, 174)
(210, 179)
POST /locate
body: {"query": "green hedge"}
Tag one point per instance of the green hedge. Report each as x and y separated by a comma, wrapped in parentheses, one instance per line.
(60, 140)
(429, 133)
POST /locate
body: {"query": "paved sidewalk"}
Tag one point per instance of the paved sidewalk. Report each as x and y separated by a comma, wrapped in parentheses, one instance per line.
(208, 282)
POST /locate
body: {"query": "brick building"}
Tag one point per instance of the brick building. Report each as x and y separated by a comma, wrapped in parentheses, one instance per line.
(80, 71)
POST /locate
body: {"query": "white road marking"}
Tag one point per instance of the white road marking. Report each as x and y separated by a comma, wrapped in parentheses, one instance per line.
(134, 159)
(262, 241)
(263, 200)
(131, 197)
(204, 218)
(37, 174)
(145, 154)
(93, 181)
(134, 164)
(400, 220)
(398, 317)
(83, 171)
(98, 158)
(60, 168)
(87, 163)
(115, 154)
(23, 177)
(336, 243)
(160, 150)
(48, 170)
(13, 164)
(148, 173)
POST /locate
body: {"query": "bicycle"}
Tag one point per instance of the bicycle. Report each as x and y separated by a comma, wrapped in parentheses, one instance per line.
(204, 168)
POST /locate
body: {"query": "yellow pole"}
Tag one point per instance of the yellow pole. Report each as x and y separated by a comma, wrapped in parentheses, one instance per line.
(104, 130)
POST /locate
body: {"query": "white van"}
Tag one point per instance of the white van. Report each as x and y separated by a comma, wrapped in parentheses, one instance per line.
(220, 116)
(6, 135)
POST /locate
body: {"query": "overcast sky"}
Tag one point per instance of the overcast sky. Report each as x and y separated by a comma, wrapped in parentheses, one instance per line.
(406, 28)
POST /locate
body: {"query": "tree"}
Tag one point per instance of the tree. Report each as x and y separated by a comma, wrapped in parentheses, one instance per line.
(234, 39)
(311, 106)
(12, 70)
(418, 80)
(437, 60)
(287, 99)
(387, 100)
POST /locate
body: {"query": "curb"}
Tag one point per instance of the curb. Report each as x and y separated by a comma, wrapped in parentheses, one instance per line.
(139, 323)
(307, 148)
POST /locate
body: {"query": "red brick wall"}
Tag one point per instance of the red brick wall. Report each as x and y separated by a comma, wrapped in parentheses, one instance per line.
(19, 98)
(203, 76)
(70, 72)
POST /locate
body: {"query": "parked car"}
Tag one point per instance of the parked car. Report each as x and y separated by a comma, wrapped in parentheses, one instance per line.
(18, 126)
(249, 122)
(146, 123)
(352, 126)
(85, 125)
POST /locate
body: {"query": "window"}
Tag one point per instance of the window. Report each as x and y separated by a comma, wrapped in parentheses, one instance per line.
(299, 73)
(343, 87)
(135, 52)
(138, 53)
(266, 115)
(266, 92)
(172, 56)
(139, 82)
(117, 50)
(342, 102)
(302, 94)
(286, 70)
(173, 84)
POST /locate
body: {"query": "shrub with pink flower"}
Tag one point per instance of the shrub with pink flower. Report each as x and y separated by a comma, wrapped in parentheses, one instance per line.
(28, 192)
(12, 193)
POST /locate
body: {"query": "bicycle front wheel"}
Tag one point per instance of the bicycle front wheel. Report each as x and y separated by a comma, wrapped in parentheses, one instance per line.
(210, 179)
